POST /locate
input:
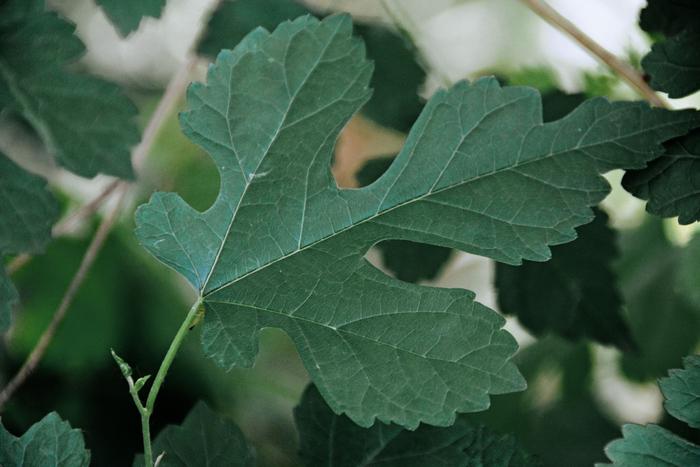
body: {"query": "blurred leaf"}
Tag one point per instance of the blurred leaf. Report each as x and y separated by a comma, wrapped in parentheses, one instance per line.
(27, 212)
(51, 442)
(330, 439)
(204, 440)
(674, 62)
(682, 391)
(671, 183)
(397, 75)
(651, 445)
(126, 15)
(86, 123)
(689, 271)
(662, 319)
(574, 294)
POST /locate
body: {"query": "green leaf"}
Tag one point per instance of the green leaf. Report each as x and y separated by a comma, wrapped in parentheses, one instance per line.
(651, 446)
(395, 102)
(409, 261)
(51, 442)
(674, 62)
(85, 122)
(330, 439)
(204, 439)
(27, 212)
(574, 294)
(682, 391)
(689, 271)
(671, 183)
(126, 15)
(284, 247)
(662, 318)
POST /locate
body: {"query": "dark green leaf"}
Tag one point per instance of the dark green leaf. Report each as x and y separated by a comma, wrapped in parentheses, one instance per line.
(397, 76)
(689, 271)
(204, 440)
(663, 320)
(671, 183)
(674, 62)
(27, 212)
(127, 14)
(574, 294)
(682, 391)
(86, 123)
(284, 247)
(51, 442)
(330, 439)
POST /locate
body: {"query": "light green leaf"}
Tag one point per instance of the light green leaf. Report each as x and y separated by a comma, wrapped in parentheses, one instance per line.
(204, 439)
(27, 212)
(284, 247)
(127, 14)
(51, 442)
(329, 439)
(651, 446)
(85, 122)
(574, 294)
(671, 183)
(682, 391)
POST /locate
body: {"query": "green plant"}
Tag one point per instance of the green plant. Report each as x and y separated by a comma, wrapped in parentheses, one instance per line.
(398, 369)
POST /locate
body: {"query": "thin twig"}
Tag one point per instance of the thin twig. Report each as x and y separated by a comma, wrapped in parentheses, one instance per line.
(64, 226)
(89, 258)
(624, 70)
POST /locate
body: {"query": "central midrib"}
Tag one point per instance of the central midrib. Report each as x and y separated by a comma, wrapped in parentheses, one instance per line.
(420, 198)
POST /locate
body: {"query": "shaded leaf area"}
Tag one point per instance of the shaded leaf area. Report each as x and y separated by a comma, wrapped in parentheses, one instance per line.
(557, 418)
(681, 390)
(671, 183)
(284, 247)
(409, 261)
(27, 212)
(204, 439)
(652, 445)
(126, 15)
(662, 318)
(51, 442)
(689, 271)
(673, 64)
(330, 439)
(86, 123)
(397, 75)
(574, 294)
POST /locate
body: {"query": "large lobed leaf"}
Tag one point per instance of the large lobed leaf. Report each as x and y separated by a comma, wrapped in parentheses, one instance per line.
(651, 445)
(284, 247)
(204, 439)
(27, 212)
(51, 442)
(328, 439)
(86, 123)
(127, 14)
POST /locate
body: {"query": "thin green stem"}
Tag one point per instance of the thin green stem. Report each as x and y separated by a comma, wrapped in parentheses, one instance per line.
(160, 377)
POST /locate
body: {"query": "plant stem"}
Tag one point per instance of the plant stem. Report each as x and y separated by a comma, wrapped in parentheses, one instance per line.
(622, 69)
(89, 258)
(147, 410)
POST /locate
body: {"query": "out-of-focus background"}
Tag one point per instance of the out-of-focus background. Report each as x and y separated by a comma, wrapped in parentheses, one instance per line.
(579, 392)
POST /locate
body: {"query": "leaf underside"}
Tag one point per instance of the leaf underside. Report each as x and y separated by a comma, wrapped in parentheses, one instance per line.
(283, 246)
(682, 391)
(27, 212)
(330, 439)
(204, 439)
(51, 442)
(86, 123)
(126, 15)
